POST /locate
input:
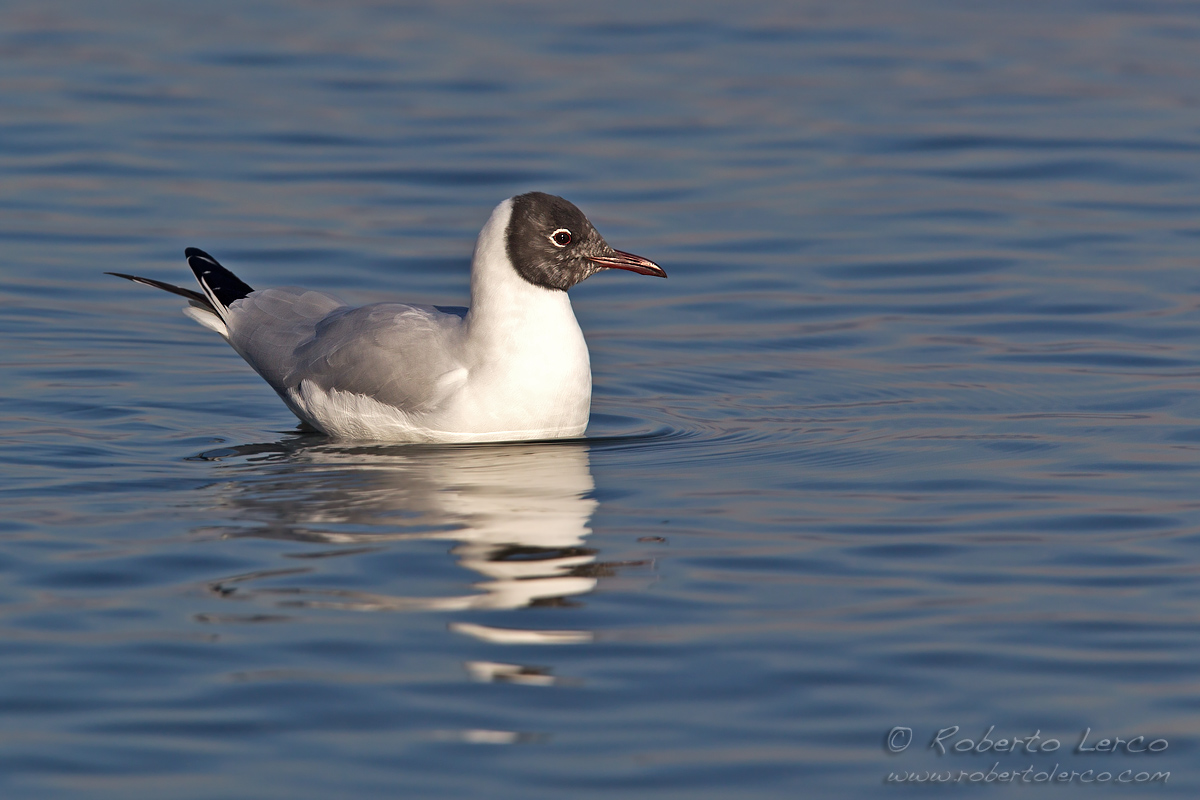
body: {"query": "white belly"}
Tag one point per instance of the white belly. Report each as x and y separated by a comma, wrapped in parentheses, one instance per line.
(519, 393)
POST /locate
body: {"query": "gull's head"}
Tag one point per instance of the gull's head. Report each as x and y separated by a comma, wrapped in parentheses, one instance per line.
(551, 244)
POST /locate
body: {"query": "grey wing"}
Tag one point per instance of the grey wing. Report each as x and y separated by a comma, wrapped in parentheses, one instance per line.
(401, 355)
(267, 326)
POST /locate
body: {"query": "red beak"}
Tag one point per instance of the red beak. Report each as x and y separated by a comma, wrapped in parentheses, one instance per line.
(622, 260)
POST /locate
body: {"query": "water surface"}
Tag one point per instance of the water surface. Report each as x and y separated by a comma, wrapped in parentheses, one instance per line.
(910, 438)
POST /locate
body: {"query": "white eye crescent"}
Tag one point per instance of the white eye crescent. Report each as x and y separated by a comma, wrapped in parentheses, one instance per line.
(561, 237)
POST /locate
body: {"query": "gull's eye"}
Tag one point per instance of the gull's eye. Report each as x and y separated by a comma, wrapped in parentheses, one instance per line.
(561, 237)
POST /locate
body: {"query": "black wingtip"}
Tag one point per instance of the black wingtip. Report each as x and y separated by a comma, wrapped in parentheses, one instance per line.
(224, 285)
(190, 294)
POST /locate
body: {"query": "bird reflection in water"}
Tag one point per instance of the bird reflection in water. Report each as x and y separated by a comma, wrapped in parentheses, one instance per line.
(518, 514)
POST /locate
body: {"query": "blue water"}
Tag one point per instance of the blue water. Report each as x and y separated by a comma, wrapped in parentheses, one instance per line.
(910, 437)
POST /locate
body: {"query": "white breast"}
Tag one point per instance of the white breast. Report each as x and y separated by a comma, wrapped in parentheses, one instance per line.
(526, 356)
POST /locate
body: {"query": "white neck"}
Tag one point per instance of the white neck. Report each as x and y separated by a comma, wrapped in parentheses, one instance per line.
(502, 302)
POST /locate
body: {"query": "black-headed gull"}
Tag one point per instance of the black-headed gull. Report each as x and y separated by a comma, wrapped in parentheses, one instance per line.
(513, 366)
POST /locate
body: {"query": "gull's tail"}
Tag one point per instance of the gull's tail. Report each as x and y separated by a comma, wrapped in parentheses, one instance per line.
(221, 288)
